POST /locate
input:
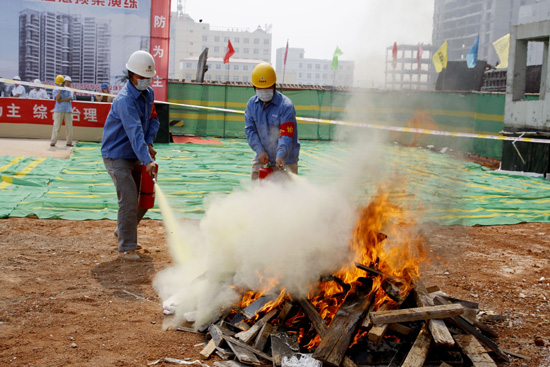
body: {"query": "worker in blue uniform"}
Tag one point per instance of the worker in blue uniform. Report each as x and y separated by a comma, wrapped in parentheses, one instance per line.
(271, 128)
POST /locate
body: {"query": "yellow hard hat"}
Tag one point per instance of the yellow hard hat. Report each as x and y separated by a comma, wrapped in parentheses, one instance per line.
(59, 79)
(263, 75)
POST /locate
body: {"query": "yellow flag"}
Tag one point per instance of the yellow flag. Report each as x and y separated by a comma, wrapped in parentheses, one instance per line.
(440, 58)
(502, 47)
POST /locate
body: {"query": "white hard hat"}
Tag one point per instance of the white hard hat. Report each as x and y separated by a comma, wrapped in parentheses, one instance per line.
(68, 79)
(141, 63)
(16, 77)
(37, 81)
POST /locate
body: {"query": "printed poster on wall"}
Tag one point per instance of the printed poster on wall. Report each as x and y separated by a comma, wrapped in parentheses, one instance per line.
(88, 40)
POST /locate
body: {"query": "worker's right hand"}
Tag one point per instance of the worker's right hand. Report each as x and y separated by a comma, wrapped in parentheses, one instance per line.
(263, 158)
(150, 168)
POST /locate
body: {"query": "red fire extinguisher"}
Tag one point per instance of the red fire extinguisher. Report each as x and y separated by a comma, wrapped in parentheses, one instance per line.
(147, 187)
(265, 171)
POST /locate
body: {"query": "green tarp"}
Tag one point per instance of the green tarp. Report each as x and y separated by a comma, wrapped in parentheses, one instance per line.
(444, 189)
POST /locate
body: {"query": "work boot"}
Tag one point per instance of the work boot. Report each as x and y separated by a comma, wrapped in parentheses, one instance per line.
(129, 255)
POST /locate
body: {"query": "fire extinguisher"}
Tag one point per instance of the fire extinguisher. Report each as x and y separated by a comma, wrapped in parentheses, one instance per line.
(147, 187)
(265, 171)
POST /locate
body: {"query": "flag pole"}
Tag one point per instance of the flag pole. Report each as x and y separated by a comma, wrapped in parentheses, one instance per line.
(227, 74)
(284, 65)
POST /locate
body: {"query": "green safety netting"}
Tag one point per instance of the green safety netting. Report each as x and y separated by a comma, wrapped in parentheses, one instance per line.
(445, 190)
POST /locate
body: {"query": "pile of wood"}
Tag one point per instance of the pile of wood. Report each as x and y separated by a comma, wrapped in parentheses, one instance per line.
(426, 328)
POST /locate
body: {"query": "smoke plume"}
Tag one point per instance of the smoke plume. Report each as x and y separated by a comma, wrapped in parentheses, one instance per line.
(271, 234)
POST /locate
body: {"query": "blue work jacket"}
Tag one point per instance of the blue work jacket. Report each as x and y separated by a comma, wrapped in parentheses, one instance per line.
(272, 128)
(132, 123)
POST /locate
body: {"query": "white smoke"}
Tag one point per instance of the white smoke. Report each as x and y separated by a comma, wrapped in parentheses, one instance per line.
(293, 231)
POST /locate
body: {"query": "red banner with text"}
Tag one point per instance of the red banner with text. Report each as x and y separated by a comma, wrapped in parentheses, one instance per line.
(160, 42)
(40, 111)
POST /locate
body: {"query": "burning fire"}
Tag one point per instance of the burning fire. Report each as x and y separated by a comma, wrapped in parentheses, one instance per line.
(420, 120)
(384, 239)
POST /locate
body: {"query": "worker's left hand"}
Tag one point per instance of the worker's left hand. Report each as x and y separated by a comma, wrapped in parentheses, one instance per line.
(280, 163)
(152, 152)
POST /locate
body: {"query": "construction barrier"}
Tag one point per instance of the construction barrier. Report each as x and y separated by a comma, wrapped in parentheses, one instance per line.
(475, 114)
(410, 118)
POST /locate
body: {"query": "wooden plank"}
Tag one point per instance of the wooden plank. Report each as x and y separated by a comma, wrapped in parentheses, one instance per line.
(263, 337)
(438, 329)
(401, 329)
(242, 354)
(186, 329)
(282, 316)
(237, 342)
(316, 320)
(283, 345)
(341, 331)
(225, 353)
(465, 303)
(208, 349)
(374, 271)
(403, 350)
(475, 351)
(415, 314)
(517, 355)
(252, 309)
(320, 326)
(419, 351)
(216, 333)
(375, 332)
(432, 288)
(481, 326)
(248, 335)
(228, 328)
(469, 328)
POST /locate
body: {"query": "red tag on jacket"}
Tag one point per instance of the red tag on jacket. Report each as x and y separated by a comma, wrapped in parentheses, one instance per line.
(287, 129)
(154, 113)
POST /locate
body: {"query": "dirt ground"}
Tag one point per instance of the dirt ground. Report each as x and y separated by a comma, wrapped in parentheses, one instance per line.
(67, 300)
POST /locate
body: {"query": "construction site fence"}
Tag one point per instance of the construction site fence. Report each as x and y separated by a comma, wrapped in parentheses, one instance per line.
(478, 113)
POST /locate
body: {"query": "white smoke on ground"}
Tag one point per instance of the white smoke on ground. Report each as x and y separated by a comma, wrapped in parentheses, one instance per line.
(292, 231)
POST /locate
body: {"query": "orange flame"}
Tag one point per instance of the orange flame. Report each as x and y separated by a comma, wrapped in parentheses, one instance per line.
(398, 256)
(385, 238)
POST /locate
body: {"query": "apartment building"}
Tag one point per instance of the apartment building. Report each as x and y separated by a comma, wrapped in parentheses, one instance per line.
(460, 21)
(413, 68)
(53, 43)
(305, 71)
(190, 38)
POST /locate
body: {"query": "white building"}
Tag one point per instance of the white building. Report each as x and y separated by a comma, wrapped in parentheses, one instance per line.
(189, 39)
(413, 68)
(300, 70)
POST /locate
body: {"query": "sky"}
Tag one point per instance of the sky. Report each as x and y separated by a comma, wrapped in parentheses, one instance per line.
(362, 29)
